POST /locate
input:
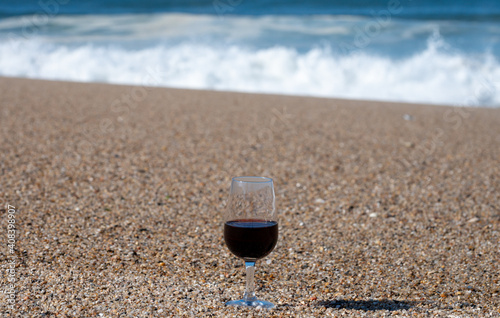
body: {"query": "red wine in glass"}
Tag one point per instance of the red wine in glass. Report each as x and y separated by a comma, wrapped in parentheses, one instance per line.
(251, 239)
(251, 229)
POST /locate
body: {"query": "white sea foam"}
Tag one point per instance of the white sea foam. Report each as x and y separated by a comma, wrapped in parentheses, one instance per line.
(435, 74)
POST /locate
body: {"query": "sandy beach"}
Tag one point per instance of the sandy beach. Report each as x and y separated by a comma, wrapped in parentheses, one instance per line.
(117, 193)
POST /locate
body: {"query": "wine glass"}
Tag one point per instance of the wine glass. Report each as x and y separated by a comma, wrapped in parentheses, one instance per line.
(251, 229)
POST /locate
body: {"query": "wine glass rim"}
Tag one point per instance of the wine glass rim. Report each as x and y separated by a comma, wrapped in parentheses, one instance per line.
(252, 179)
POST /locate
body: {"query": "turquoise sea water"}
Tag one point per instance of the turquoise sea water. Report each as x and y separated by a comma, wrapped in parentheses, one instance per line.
(443, 52)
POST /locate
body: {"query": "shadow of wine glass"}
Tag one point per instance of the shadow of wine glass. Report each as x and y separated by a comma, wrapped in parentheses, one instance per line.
(367, 305)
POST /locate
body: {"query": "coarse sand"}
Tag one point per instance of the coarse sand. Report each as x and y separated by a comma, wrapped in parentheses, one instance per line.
(117, 195)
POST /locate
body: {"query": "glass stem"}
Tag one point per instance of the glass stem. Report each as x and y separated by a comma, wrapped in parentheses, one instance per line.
(249, 294)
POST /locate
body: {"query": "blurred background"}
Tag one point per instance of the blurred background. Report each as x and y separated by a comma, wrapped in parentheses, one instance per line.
(425, 51)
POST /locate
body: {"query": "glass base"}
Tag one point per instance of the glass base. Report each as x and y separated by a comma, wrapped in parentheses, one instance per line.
(250, 303)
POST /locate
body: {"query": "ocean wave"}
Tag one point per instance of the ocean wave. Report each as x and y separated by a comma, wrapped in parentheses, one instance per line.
(433, 75)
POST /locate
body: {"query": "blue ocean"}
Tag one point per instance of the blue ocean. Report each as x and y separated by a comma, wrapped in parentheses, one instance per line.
(423, 51)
